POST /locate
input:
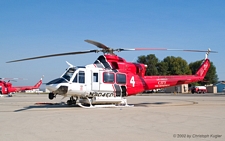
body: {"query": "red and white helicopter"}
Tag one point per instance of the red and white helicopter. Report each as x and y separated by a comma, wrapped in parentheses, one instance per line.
(110, 79)
(6, 88)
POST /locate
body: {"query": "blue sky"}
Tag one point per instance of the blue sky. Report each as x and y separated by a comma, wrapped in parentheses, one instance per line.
(31, 28)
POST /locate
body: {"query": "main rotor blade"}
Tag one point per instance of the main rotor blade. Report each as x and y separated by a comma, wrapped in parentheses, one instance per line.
(165, 49)
(100, 45)
(140, 49)
(53, 55)
(13, 79)
(106, 49)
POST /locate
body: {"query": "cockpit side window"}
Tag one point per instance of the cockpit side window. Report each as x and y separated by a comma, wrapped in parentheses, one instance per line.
(75, 79)
(81, 77)
(108, 77)
(69, 73)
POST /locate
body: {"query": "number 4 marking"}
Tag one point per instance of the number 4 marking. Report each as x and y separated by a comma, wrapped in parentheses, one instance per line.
(132, 81)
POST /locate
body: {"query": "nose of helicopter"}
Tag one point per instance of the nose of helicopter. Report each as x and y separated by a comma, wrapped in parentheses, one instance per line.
(55, 84)
(52, 87)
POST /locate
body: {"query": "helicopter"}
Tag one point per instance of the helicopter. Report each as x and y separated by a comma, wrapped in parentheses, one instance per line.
(6, 88)
(110, 79)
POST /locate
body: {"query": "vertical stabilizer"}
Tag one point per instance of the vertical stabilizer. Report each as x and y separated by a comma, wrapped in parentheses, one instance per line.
(202, 71)
(39, 83)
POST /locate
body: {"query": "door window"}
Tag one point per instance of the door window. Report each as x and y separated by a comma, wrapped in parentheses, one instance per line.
(120, 78)
(95, 77)
(108, 77)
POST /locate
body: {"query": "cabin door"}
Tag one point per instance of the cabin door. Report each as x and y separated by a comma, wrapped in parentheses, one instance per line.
(79, 84)
(95, 81)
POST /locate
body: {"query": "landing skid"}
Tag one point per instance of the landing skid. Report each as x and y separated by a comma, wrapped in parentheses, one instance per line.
(105, 106)
(9, 95)
(121, 104)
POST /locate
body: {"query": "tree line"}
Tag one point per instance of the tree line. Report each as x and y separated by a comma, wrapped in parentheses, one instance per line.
(176, 66)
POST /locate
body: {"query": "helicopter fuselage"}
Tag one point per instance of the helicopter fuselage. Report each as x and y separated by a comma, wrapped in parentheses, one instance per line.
(112, 76)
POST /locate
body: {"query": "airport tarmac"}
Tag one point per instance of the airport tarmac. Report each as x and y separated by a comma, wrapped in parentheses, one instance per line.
(162, 117)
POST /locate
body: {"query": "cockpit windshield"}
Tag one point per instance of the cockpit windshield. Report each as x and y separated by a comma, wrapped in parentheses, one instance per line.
(69, 73)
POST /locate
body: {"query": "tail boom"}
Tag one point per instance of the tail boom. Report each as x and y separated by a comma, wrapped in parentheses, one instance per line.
(156, 82)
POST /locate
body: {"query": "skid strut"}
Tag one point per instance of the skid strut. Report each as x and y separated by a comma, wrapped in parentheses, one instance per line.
(71, 101)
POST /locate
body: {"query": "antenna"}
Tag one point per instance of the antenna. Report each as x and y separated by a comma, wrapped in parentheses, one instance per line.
(69, 64)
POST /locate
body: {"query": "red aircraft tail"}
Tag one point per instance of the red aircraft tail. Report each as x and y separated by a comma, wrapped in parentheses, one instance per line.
(23, 88)
(203, 69)
(38, 83)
